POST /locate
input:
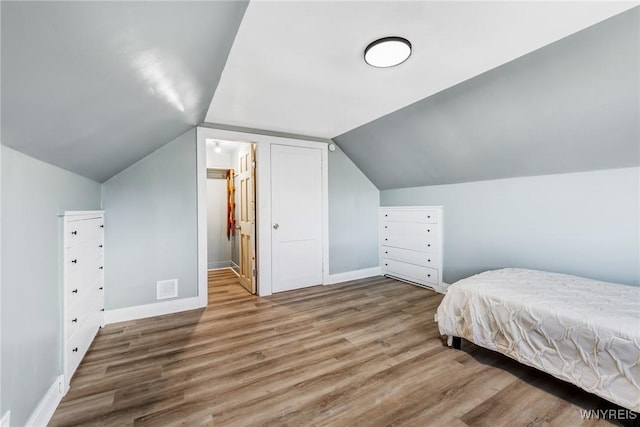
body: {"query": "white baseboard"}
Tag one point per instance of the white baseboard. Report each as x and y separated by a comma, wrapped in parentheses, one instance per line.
(229, 267)
(47, 406)
(219, 265)
(352, 275)
(154, 309)
(443, 288)
(6, 419)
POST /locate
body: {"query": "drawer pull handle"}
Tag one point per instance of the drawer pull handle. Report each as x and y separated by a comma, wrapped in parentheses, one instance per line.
(75, 350)
(428, 260)
(428, 231)
(102, 309)
(100, 288)
(101, 225)
(386, 215)
(74, 232)
(74, 320)
(386, 264)
(99, 246)
(428, 245)
(386, 226)
(75, 291)
(386, 239)
(101, 267)
(428, 275)
(428, 216)
(74, 261)
(386, 252)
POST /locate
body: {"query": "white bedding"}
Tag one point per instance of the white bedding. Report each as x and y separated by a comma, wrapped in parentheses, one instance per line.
(579, 330)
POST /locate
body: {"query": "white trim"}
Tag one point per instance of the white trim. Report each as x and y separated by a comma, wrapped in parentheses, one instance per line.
(220, 268)
(411, 208)
(325, 213)
(6, 420)
(47, 405)
(80, 213)
(263, 201)
(443, 287)
(263, 220)
(151, 310)
(352, 275)
(219, 265)
(201, 184)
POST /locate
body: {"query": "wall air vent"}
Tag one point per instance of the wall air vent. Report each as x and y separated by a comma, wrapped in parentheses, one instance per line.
(166, 289)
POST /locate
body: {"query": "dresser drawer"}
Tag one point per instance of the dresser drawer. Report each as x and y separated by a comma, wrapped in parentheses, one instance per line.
(85, 275)
(410, 271)
(91, 248)
(79, 231)
(414, 229)
(421, 215)
(424, 259)
(79, 342)
(78, 287)
(415, 243)
(79, 311)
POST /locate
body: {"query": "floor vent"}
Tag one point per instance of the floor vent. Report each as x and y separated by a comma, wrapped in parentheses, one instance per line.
(166, 289)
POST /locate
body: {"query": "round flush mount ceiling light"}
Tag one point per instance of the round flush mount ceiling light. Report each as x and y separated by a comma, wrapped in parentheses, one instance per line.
(387, 52)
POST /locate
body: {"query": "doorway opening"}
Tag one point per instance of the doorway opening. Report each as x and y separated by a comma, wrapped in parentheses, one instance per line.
(231, 210)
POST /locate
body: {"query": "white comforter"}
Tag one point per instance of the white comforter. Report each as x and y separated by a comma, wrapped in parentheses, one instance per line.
(579, 330)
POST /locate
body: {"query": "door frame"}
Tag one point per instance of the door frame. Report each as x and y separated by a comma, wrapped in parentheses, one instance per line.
(263, 201)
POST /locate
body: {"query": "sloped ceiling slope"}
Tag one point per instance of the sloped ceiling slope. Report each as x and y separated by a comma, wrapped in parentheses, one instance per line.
(93, 87)
(297, 67)
(571, 106)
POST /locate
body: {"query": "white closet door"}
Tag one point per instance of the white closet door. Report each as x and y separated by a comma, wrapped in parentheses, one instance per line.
(296, 213)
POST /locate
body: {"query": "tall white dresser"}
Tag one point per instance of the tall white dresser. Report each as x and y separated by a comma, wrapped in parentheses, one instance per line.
(411, 244)
(82, 284)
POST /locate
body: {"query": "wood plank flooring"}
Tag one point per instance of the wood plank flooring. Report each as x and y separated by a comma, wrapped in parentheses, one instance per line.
(362, 353)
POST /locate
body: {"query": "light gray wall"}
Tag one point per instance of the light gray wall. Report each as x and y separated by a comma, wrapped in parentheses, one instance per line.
(151, 225)
(219, 248)
(353, 216)
(33, 194)
(583, 223)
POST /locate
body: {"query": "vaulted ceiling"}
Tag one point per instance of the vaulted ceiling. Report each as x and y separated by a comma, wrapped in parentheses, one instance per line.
(93, 87)
(492, 89)
(572, 106)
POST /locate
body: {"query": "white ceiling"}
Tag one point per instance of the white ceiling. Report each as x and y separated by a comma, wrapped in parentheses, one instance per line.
(297, 67)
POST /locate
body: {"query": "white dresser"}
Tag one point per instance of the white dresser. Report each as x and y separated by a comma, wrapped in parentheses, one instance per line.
(411, 244)
(82, 284)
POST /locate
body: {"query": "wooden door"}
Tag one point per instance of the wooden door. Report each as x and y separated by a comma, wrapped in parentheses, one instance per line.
(246, 180)
(296, 212)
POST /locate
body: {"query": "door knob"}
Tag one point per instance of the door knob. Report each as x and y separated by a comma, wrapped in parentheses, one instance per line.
(276, 226)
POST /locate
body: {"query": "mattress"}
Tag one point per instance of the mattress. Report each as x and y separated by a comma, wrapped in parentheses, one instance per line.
(580, 330)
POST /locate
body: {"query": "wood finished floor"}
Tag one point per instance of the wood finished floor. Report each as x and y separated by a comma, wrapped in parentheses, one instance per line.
(362, 353)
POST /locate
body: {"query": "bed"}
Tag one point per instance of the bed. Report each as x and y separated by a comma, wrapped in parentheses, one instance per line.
(580, 330)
